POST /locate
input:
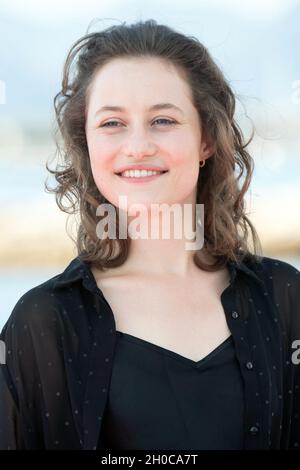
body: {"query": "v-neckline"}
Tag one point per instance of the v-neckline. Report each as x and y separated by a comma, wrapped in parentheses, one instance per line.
(174, 354)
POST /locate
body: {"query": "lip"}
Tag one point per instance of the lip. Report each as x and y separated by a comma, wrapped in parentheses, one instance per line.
(139, 167)
(141, 179)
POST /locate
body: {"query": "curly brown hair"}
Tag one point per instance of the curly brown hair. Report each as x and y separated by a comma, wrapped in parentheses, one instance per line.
(226, 225)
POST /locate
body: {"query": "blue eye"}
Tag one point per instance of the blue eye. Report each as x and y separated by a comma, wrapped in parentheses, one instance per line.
(109, 122)
(165, 120)
(168, 121)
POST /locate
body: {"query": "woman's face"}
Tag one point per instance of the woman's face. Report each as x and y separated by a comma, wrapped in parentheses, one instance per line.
(169, 138)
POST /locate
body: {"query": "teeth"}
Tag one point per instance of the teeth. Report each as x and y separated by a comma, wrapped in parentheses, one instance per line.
(140, 173)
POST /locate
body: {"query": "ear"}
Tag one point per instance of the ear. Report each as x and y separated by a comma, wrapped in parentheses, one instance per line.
(207, 148)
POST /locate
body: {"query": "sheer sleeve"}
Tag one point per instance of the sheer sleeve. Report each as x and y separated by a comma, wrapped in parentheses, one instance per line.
(10, 433)
(294, 302)
(29, 336)
(286, 281)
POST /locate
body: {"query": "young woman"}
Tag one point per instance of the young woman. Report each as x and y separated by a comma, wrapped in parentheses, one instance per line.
(141, 343)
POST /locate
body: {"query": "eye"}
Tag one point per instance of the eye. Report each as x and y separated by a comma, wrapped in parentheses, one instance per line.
(109, 122)
(168, 121)
(165, 120)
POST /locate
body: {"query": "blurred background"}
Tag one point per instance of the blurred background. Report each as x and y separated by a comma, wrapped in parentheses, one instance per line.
(255, 43)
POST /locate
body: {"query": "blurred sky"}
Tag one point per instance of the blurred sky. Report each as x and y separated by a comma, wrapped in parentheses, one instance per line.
(256, 43)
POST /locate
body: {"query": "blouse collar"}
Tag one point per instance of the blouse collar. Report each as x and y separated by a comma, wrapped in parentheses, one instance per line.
(78, 269)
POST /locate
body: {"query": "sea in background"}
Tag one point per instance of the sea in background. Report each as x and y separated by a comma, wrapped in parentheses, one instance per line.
(15, 282)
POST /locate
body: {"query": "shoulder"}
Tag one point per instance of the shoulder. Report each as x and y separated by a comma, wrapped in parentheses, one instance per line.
(282, 280)
(44, 303)
(36, 310)
(274, 270)
(33, 337)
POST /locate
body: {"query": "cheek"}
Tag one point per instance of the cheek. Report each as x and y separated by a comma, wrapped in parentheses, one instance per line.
(101, 173)
(184, 152)
(185, 164)
(186, 180)
(185, 176)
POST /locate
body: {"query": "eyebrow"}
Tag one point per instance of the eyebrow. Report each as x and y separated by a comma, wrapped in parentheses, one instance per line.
(155, 107)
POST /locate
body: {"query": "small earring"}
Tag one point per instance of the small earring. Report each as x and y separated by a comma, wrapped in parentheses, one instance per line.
(202, 163)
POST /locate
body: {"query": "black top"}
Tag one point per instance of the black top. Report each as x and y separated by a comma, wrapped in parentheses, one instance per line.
(159, 399)
(60, 340)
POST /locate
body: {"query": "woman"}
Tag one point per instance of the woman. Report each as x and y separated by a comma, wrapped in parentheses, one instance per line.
(142, 343)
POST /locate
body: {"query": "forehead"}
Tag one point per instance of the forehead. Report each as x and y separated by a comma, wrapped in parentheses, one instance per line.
(124, 78)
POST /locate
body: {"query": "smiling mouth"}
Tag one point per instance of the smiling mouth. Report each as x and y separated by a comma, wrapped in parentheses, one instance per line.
(141, 179)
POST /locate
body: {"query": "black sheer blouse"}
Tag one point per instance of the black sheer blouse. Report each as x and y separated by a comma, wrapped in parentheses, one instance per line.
(60, 341)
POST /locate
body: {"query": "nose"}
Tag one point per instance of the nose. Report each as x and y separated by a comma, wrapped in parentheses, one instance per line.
(139, 144)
